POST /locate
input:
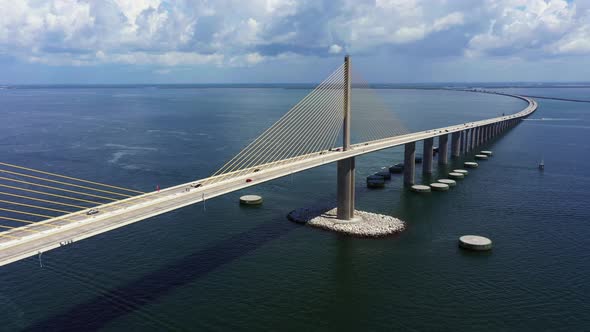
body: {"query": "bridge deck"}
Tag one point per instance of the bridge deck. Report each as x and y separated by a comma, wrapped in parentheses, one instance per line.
(42, 237)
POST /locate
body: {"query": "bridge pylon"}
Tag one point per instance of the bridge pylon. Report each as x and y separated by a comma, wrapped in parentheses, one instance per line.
(346, 167)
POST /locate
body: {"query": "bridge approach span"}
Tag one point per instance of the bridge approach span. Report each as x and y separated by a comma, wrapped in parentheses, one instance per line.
(78, 226)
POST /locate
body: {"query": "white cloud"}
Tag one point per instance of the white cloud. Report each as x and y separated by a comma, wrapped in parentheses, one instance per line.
(521, 26)
(335, 49)
(448, 21)
(238, 33)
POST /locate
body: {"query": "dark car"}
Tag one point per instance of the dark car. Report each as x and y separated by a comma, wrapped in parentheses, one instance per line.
(196, 185)
(92, 211)
(248, 180)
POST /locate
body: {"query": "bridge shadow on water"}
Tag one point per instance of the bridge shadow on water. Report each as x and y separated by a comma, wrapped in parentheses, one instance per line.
(99, 311)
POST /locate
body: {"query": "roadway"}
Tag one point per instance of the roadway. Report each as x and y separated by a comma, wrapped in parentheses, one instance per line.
(64, 230)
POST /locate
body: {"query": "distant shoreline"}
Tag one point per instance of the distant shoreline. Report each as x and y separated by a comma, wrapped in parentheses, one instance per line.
(414, 86)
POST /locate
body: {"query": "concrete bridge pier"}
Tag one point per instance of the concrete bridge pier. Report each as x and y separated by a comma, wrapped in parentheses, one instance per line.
(468, 147)
(462, 142)
(455, 144)
(427, 155)
(443, 146)
(346, 168)
(480, 136)
(471, 146)
(409, 163)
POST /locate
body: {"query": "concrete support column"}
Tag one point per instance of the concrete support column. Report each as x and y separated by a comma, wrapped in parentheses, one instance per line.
(345, 209)
(471, 139)
(455, 144)
(461, 142)
(346, 167)
(427, 155)
(480, 136)
(409, 163)
(443, 146)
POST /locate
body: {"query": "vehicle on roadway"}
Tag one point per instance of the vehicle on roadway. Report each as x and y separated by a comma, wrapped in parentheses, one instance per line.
(248, 180)
(257, 170)
(196, 185)
(92, 211)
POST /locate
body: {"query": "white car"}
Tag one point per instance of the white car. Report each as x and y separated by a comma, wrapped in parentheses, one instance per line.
(92, 211)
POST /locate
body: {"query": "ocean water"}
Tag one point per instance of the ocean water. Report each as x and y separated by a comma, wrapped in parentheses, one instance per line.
(218, 266)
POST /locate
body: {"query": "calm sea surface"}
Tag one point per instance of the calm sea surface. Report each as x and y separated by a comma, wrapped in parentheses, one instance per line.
(223, 267)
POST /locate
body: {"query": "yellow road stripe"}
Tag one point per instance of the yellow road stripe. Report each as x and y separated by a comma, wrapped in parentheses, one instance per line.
(9, 236)
(25, 221)
(33, 214)
(44, 200)
(49, 194)
(71, 178)
(57, 188)
(65, 183)
(19, 229)
(34, 206)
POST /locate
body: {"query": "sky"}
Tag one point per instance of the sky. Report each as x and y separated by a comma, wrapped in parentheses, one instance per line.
(292, 41)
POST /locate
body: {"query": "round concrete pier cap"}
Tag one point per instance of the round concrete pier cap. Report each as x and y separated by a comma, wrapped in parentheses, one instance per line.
(475, 242)
(487, 153)
(454, 175)
(437, 186)
(419, 188)
(481, 156)
(462, 171)
(251, 200)
(470, 164)
(448, 182)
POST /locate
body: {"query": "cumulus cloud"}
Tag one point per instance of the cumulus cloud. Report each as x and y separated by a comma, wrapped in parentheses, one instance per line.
(531, 28)
(335, 49)
(238, 33)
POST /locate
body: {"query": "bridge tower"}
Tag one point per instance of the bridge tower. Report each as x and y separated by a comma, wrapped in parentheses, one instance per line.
(346, 167)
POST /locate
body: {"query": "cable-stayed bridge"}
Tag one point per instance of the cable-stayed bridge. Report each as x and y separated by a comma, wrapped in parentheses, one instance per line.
(305, 137)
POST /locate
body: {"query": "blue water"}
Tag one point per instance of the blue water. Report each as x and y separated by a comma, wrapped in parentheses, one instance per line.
(224, 267)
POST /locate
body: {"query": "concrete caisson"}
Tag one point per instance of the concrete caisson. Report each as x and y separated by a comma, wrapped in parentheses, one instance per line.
(437, 186)
(419, 188)
(375, 181)
(475, 242)
(251, 200)
(397, 168)
(385, 174)
(448, 182)
(454, 175)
